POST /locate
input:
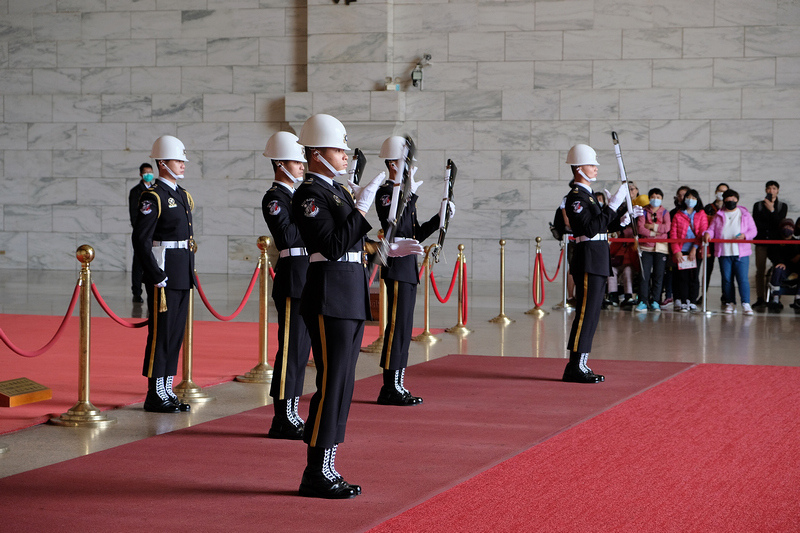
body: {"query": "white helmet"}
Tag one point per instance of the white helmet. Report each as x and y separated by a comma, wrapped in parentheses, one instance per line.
(392, 148)
(168, 148)
(582, 154)
(282, 146)
(323, 131)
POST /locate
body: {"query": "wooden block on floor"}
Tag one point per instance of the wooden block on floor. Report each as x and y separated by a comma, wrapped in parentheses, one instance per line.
(20, 391)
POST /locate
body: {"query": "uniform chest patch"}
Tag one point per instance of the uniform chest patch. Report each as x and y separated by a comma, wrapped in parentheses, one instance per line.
(577, 207)
(310, 208)
(171, 202)
(337, 201)
(146, 207)
(273, 207)
(386, 200)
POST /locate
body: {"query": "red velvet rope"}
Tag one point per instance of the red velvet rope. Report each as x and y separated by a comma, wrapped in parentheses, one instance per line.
(271, 274)
(541, 261)
(372, 277)
(736, 241)
(449, 291)
(34, 353)
(241, 305)
(111, 313)
(465, 304)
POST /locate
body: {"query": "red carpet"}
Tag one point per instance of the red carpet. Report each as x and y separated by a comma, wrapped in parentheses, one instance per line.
(222, 350)
(223, 475)
(713, 449)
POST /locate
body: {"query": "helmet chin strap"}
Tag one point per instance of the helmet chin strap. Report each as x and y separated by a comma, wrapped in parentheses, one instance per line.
(329, 166)
(587, 178)
(289, 175)
(171, 173)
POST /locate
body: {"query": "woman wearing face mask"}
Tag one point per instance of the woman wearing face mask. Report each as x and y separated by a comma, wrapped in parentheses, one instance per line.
(690, 222)
(733, 222)
(654, 224)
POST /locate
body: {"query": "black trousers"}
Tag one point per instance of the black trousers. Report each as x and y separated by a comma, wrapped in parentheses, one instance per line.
(137, 273)
(164, 331)
(589, 291)
(687, 282)
(294, 345)
(335, 343)
(401, 298)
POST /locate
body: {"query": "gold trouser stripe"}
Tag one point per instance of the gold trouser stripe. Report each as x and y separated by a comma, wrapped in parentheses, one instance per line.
(285, 354)
(324, 343)
(583, 311)
(155, 334)
(392, 320)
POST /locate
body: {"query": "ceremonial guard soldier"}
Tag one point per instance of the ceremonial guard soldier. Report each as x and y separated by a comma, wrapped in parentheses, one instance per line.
(591, 262)
(294, 344)
(163, 238)
(401, 276)
(335, 300)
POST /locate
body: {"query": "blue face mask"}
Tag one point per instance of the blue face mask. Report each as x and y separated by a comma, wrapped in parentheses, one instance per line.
(655, 202)
(690, 203)
(147, 177)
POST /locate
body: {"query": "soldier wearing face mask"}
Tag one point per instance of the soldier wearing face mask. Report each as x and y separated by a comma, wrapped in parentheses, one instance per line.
(294, 344)
(145, 182)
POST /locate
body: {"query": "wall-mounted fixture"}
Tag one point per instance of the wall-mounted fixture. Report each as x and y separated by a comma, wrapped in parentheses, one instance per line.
(416, 74)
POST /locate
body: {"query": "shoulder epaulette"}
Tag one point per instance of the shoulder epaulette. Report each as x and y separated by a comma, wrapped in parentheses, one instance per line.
(191, 200)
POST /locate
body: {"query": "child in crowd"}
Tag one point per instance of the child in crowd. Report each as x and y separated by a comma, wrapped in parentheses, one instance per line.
(655, 224)
(690, 222)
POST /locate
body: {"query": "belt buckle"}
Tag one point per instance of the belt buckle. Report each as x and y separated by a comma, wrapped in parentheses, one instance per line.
(192, 245)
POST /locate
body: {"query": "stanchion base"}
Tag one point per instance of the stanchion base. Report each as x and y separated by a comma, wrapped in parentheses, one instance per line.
(3, 448)
(261, 373)
(538, 312)
(188, 392)
(502, 319)
(426, 336)
(83, 414)
(460, 330)
(375, 347)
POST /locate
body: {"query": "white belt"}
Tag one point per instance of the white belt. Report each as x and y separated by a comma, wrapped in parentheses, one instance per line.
(172, 244)
(349, 257)
(598, 237)
(293, 252)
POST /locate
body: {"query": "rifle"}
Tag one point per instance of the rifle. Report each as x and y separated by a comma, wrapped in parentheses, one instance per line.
(398, 204)
(624, 179)
(359, 162)
(451, 170)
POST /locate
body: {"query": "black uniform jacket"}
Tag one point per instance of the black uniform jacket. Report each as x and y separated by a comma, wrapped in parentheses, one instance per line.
(403, 268)
(330, 224)
(290, 272)
(587, 218)
(165, 215)
(133, 200)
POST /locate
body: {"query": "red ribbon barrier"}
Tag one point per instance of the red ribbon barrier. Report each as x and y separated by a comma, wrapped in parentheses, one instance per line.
(111, 313)
(372, 277)
(450, 290)
(241, 305)
(541, 262)
(34, 353)
(271, 274)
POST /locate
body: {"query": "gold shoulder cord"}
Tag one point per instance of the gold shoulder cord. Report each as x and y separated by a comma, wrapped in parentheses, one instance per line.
(191, 200)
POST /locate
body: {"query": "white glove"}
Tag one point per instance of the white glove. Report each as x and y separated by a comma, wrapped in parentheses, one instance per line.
(162, 284)
(638, 211)
(618, 197)
(452, 208)
(366, 195)
(402, 247)
(625, 220)
(414, 184)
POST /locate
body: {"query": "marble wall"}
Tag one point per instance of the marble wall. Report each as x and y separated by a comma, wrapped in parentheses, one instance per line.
(700, 91)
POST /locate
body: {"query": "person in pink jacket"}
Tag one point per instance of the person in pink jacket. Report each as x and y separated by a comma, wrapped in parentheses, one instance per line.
(653, 224)
(736, 223)
(689, 222)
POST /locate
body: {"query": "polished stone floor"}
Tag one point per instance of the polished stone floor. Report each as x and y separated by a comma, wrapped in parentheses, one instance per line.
(763, 339)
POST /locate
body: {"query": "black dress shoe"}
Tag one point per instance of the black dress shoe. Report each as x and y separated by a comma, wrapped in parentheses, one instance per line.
(775, 307)
(316, 485)
(391, 396)
(182, 407)
(160, 406)
(283, 429)
(137, 300)
(576, 375)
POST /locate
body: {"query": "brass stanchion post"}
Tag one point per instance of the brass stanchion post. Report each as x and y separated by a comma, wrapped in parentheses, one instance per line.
(83, 413)
(426, 335)
(262, 372)
(502, 318)
(377, 344)
(537, 311)
(460, 329)
(186, 390)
